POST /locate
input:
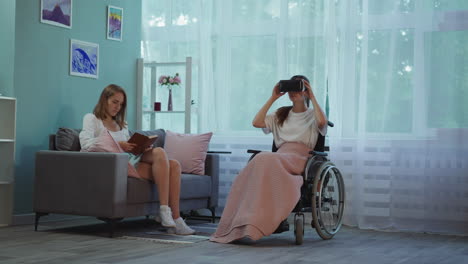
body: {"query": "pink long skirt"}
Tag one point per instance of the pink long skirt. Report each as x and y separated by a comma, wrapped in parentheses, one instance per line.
(263, 194)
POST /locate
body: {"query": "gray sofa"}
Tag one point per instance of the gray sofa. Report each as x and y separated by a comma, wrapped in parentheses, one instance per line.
(96, 184)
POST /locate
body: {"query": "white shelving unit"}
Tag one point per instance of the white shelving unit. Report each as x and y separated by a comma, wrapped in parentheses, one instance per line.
(153, 70)
(7, 157)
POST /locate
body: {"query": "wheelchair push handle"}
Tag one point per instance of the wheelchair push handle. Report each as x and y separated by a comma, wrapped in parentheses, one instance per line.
(330, 124)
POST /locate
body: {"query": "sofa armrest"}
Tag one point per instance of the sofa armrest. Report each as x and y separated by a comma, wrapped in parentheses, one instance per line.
(81, 183)
(212, 169)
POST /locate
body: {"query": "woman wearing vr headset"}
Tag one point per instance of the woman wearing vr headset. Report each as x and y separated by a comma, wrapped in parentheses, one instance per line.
(266, 191)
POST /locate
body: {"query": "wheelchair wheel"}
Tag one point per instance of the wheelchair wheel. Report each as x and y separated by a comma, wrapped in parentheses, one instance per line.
(328, 195)
(299, 230)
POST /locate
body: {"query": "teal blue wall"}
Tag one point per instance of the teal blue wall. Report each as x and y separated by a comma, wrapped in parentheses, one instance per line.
(48, 97)
(7, 46)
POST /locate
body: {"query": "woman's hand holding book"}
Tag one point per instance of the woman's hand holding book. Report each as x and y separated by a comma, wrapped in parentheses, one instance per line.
(126, 146)
(141, 143)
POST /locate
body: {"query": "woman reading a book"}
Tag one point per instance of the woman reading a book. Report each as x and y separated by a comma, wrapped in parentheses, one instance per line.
(153, 164)
(267, 189)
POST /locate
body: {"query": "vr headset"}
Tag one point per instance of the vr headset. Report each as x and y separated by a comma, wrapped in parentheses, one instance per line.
(291, 86)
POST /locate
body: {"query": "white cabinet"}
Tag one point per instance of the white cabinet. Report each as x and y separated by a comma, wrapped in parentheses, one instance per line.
(7, 157)
(149, 91)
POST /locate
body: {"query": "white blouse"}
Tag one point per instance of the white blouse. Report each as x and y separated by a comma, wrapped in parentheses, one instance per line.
(298, 127)
(93, 127)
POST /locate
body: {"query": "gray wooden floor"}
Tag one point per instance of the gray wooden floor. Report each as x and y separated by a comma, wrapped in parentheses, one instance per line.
(55, 243)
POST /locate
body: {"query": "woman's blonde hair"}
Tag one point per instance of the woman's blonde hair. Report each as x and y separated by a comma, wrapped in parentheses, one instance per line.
(100, 108)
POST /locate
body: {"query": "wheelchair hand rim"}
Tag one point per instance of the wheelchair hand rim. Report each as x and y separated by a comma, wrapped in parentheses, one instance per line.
(335, 227)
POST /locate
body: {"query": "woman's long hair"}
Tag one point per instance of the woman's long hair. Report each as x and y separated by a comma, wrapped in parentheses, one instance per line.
(100, 108)
(283, 112)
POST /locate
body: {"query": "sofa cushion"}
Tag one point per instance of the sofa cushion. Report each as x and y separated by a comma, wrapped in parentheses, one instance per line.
(192, 186)
(160, 132)
(189, 149)
(67, 139)
(195, 186)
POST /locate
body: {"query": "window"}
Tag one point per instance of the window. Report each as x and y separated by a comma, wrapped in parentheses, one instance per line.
(383, 66)
(404, 53)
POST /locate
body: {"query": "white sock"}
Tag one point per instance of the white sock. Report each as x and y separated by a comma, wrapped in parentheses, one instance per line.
(164, 208)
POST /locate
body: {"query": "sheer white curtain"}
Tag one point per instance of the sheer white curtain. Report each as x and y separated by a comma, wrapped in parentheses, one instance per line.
(240, 50)
(397, 79)
(399, 89)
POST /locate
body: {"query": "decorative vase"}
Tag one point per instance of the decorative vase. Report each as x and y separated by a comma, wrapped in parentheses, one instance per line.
(169, 102)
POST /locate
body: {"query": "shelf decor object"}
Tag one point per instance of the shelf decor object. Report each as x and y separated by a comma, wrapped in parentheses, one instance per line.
(169, 81)
(157, 106)
(7, 158)
(152, 76)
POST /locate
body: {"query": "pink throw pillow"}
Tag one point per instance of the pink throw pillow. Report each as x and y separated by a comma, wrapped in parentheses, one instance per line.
(189, 149)
(106, 143)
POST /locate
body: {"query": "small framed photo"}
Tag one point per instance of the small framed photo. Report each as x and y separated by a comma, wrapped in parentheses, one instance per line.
(84, 59)
(114, 23)
(57, 12)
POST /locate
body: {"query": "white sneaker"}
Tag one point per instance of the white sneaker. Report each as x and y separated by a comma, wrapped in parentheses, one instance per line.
(157, 218)
(181, 228)
(165, 216)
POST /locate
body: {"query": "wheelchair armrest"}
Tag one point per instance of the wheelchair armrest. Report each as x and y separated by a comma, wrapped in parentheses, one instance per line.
(218, 152)
(254, 153)
(318, 153)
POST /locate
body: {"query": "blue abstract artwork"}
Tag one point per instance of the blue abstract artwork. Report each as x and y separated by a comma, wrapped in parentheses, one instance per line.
(84, 59)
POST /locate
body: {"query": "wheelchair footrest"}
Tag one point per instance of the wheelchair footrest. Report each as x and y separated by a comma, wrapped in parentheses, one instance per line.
(283, 227)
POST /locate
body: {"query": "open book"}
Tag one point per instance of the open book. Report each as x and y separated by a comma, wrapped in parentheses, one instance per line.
(142, 142)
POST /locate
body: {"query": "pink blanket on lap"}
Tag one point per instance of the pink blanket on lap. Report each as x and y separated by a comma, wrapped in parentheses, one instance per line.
(263, 194)
(106, 143)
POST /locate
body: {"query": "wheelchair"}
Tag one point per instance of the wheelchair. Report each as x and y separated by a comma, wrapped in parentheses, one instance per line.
(322, 194)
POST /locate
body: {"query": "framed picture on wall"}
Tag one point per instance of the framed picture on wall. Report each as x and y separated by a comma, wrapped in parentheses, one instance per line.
(84, 59)
(114, 23)
(57, 12)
